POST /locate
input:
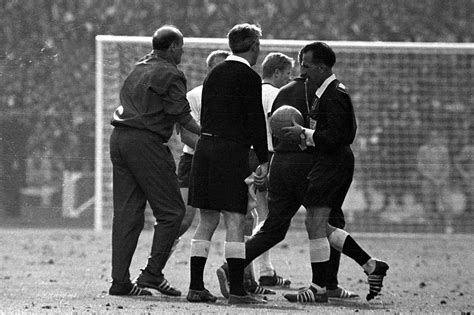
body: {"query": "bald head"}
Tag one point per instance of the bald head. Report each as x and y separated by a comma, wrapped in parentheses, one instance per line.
(165, 36)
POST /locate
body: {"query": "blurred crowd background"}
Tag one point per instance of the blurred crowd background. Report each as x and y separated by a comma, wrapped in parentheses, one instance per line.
(47, 75)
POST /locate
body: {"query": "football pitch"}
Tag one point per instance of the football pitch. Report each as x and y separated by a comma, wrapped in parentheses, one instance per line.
(68, 271)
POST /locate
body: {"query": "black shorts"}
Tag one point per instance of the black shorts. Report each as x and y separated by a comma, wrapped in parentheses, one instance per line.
(288, 187)
(329, 179)
(218, 174)
(184, 169)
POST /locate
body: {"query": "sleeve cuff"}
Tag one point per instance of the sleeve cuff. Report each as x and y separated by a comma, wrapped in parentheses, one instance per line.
(309, 137)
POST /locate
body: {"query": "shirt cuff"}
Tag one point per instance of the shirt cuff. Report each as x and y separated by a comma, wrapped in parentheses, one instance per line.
(309, 137)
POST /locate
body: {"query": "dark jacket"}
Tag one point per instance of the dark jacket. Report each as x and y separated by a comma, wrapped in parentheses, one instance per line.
(336, 124)
(153, 97)
(232, 106)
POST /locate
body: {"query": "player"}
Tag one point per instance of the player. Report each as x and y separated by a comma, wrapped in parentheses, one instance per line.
(153, 99)
(232, 120)
(276, 71)
(189, 139)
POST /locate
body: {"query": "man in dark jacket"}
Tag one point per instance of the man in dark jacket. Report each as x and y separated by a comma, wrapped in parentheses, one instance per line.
(232, 120)
(153, 99)
(332, 128)
(287, 186)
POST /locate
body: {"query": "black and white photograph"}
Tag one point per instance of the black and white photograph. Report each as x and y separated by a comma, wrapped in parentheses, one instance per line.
(236, 156)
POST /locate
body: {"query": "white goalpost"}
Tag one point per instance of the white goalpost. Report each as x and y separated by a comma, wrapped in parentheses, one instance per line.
(401, 93)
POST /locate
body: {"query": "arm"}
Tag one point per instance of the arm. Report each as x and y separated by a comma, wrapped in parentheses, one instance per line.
(175, 102)
(191, 125)
(188, 138)
(257, 120)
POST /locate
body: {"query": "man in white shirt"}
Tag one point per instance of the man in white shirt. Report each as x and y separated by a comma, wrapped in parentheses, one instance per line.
(276, 72)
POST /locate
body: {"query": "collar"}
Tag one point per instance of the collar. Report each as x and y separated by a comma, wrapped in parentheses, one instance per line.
(325, 84)
(155, 55)
(268, 83)
(239, 59)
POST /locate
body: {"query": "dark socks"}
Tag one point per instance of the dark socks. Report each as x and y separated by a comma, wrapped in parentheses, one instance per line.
(197, 272)
(236, 276)
(320, 273)
(354, 251)
(333, 269)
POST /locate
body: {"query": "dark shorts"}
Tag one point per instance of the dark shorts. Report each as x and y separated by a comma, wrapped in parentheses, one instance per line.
(288, 186)
(219, 169)
(184, 170)
(329, 179)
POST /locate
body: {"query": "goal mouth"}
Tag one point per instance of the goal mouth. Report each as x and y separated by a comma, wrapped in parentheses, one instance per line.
(400, 92)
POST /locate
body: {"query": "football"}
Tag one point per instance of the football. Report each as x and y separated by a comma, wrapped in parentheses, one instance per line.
(283, 117)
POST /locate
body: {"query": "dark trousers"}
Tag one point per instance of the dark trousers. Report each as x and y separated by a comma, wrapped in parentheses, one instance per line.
(143, 170)
(286, 191)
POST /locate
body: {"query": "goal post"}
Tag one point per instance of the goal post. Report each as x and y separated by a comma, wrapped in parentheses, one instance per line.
(405, 95)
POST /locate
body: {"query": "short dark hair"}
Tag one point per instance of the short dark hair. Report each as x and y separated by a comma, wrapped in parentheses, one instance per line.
(275, 60)
(165, 36)
(243, 36)
(216, 54)
(321, 53)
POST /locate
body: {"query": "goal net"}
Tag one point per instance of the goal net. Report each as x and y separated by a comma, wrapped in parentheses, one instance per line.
(414, 106)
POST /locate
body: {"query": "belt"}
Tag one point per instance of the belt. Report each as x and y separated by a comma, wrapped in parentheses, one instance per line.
(207, 134)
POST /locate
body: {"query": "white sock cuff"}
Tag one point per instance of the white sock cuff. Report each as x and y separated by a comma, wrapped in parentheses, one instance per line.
(200, 248)
(319, 250)
(337, 239)
(234, 250)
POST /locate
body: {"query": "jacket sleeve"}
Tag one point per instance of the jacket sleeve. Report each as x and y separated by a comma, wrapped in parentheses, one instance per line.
(170, 85)
(256, 120)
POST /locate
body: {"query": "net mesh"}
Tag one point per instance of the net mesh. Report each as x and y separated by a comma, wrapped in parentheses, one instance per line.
(414, 106)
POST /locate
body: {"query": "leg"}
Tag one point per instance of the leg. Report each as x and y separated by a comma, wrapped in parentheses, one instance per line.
(187, 220)
(264, 264)
(319, 252)
(235, 257)
(336, 219)
(200, 245)
(189, 215)
(129, 206)
(375, 269)
(154, 169)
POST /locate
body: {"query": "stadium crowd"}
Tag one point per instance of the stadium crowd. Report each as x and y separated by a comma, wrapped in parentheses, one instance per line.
(47, 88)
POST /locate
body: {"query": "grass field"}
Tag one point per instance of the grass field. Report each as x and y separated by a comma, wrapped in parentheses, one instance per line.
(68, 271)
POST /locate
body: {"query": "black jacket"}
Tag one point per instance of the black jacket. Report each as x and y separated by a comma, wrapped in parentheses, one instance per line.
(232, 106)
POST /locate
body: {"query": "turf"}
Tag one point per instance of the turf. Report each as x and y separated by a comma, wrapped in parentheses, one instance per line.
(68, 271)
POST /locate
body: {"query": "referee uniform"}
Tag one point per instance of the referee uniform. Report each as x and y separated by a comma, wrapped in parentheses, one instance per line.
(232, 120)
(288, 183)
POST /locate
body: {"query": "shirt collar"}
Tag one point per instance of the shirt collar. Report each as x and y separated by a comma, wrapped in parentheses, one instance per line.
(325, 84)
(239, 59)
(155, 55)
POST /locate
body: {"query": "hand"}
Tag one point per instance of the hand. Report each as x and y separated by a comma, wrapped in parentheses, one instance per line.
(292, 133)
(261, 174)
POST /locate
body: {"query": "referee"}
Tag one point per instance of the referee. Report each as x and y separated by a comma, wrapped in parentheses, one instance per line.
(232, 120)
